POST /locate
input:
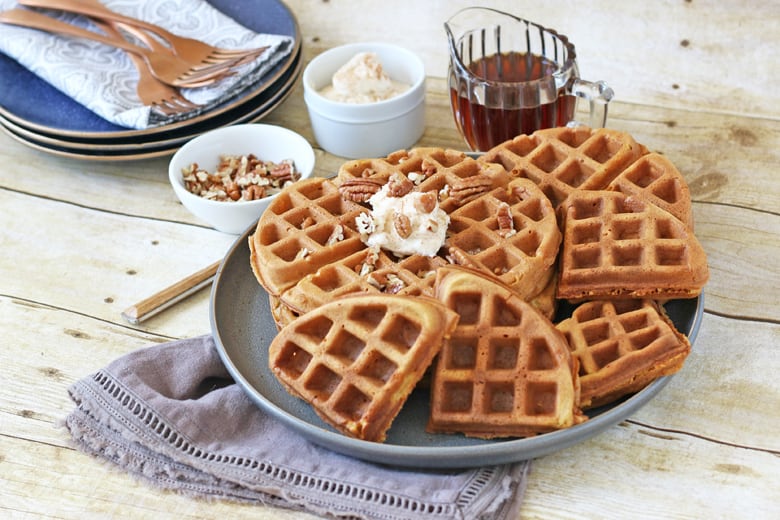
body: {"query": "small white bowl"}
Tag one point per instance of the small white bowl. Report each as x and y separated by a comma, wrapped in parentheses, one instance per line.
(267, 142)
(368, 129)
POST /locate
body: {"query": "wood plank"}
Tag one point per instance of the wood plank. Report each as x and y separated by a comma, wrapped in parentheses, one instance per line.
(639, 473)
(714, 54)
(69, 484)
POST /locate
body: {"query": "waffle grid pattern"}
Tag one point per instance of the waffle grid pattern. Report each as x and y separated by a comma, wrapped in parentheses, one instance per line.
(357, 363)
(294, 234)
(561, 160)
(620, 245)
(621, 344)
(504, 371)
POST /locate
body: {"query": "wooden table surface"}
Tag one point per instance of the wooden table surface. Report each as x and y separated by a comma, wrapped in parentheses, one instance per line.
(694, 79)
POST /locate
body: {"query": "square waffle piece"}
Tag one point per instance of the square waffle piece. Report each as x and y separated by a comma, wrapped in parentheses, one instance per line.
(621, 347)
(357, 359)
(620, 246)
(506, 371)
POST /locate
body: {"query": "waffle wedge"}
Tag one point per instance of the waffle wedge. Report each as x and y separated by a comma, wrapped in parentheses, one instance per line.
(357, 359)
(505, 371)
(656, 180)
(620, 246)
(307, 226)
(622, 346)
(561, 160)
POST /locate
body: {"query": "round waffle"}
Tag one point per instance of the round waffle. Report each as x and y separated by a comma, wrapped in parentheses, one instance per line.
(307, 249)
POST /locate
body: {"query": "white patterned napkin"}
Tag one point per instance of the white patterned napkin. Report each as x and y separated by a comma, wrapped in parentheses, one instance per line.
(104, 79)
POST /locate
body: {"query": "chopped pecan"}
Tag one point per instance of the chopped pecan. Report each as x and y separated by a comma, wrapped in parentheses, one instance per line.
(506, 224)
(359, 190)
(306, 222)
(369, 264)
(394, 284)
(254, 192)
(428, 168)
(402, 224)
(399, 185)
(337, 235)
(427, 202)
(458, 257)
(468, 188)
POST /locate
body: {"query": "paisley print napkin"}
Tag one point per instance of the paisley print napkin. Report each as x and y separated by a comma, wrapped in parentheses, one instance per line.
(104, 79)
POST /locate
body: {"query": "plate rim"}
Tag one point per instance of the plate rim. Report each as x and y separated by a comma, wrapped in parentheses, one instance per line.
(500, 451)
(149, 150)
(133, 151)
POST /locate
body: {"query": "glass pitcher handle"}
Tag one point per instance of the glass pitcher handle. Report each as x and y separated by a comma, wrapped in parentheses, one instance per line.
(598, 94)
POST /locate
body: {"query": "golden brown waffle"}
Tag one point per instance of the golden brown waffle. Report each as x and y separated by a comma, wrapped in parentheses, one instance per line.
(306, 249)
(505, 371)
(619, 246)
(655, 179)
(307, 226)
(511, 233)
(357, 359)
(365, 272)
(561, 160)
(521, 254)
(430, 169)
(622, 346)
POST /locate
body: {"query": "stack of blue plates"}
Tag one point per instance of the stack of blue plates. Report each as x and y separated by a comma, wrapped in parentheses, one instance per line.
(38, 115)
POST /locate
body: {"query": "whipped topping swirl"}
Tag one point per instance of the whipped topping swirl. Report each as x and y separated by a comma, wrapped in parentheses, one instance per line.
(407, 225)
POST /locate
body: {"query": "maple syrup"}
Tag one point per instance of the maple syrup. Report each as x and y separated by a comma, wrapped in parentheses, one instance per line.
(484, 127)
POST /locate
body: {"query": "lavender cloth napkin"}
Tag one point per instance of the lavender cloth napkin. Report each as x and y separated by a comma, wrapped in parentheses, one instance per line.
(171, 415)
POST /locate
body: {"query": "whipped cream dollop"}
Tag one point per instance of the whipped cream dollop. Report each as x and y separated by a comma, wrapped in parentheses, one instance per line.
(362, 80)
(407, 225)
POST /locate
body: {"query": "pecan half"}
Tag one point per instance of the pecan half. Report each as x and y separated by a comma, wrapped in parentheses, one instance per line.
(359, 190)
(468, 188)
(402, 224)
(427, 202)
(399, 185)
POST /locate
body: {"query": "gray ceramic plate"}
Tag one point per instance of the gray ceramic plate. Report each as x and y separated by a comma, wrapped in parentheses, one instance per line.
(243, 329)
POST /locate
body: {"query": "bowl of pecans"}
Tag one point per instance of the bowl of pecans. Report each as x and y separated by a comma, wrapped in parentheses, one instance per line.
(228, 176)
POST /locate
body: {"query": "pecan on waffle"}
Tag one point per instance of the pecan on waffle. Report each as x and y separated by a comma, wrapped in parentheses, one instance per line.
(622, 346)
(510, 233)
(655, 179)
(307, 226)
(619, 246)
(452, 174)
(357, 359)
(561, 160)
(505, 371)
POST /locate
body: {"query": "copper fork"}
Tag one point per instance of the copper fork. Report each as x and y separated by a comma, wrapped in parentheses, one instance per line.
(189, 49)
(161, 97)
(164, 66)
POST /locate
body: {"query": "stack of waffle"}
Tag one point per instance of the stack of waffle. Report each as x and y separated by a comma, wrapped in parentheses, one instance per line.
(588, 216)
